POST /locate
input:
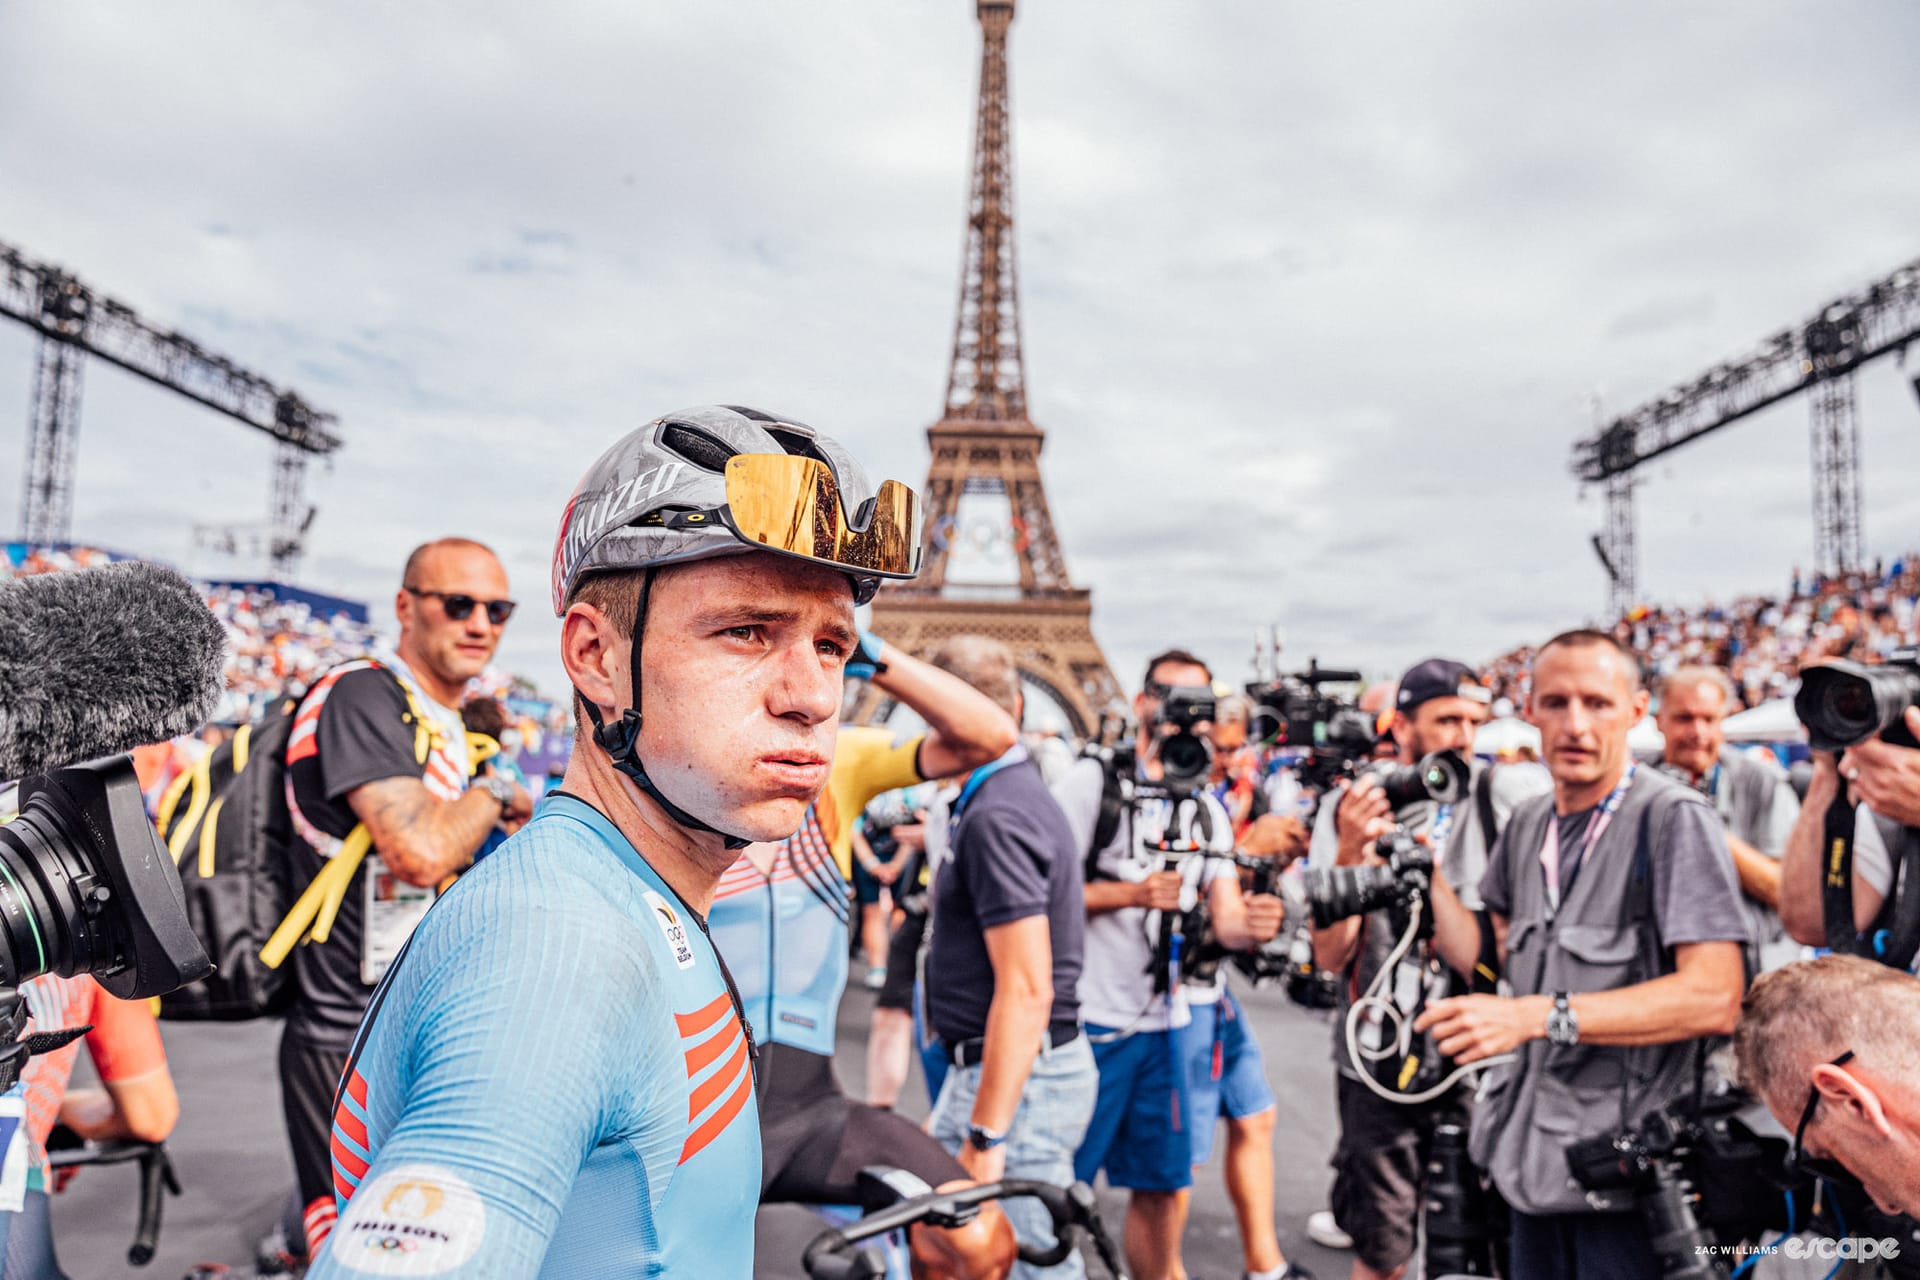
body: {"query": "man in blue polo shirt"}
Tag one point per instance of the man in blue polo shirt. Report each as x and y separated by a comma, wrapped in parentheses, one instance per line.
(1008, 925)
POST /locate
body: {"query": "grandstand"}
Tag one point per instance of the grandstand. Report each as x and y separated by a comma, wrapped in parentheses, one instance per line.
(281, 638)
(1762, 641)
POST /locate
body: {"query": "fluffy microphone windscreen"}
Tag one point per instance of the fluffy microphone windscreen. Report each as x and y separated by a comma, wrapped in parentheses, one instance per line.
(100, 661)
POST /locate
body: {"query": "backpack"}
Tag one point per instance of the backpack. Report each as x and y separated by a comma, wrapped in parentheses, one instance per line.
(228, 828)
(226, 824)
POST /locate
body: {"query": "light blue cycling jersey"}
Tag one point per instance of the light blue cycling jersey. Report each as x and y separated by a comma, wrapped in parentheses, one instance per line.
(782, 924)
(551, 1081)
(784, 932)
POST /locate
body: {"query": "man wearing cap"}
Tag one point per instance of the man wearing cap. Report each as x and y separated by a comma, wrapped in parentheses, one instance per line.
(1380, 1160)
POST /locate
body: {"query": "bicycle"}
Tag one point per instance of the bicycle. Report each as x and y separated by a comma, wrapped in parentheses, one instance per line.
(832, 1255)
(65, 1150)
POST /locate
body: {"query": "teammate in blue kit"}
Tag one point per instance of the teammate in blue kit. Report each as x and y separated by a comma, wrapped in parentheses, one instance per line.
(556, 1078)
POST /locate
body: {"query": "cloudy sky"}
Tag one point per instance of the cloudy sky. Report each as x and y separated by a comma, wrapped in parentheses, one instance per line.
(1317, 297)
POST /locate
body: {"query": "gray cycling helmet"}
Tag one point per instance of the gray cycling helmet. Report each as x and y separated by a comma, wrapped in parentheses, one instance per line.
(654, 497)
(659, 497)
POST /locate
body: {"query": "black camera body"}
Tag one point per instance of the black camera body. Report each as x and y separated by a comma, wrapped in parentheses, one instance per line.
(86, 887)
(1186, 757)
(1334, 893)
(1699, 1175)
(1842, 704)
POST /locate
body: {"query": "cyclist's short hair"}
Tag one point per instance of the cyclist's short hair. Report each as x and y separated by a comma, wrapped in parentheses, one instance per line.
(616, 594)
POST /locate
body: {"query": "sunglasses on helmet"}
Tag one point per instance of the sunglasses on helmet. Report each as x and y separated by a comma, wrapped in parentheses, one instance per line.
(458, 605)
(792, 504)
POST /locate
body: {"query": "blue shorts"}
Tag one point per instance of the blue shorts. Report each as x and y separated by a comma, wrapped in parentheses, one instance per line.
(1140, 1119)
(1226, 1074)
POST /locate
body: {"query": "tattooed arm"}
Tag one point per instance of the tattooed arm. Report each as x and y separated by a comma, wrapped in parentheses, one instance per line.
(421, 837)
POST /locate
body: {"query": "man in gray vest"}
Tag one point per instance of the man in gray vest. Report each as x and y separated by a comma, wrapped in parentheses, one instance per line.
(1617, 913)
(1751, 793)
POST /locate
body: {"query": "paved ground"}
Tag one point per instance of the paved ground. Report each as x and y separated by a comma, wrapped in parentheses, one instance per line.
(232, 1159)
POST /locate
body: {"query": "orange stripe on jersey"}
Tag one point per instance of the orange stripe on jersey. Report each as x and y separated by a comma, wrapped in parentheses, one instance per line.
(351, 1126)
(708, 1051)
(717, 1123)
(697, 1022)
(341, 1187)
(349, 1160)
(717, 1082)
(357, 1088)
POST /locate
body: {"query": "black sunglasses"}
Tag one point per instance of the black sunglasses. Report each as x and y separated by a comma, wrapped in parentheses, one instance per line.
(458, 605)
(1798, 1161)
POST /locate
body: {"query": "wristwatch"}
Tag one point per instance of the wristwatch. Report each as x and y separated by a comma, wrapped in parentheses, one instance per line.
(1562, 1027)
(501, 789)
(981, 1138)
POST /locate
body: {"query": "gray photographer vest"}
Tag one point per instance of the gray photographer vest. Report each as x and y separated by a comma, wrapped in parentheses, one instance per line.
(1605, 936)
(1748, 789)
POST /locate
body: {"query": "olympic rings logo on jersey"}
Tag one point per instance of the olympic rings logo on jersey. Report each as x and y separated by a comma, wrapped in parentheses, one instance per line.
(388, 1244)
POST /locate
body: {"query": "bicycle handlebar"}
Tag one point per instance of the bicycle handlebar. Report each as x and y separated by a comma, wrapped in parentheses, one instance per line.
(156, 1176)
(831, 1254)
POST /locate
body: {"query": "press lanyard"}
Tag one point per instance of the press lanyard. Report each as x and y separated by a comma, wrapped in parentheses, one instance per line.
(1014, 755)
(1550, 847)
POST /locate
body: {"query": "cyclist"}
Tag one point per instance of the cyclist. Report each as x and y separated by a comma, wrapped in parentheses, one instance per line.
(780, 918)
(136, 1099)
(554, 1077)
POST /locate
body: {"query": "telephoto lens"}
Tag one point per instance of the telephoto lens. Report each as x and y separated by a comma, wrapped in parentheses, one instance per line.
(1459, 1234)
(1443, 777)
(1843, 704)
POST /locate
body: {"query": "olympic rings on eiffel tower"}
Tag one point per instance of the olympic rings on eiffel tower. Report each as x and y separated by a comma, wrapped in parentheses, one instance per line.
(984, 537)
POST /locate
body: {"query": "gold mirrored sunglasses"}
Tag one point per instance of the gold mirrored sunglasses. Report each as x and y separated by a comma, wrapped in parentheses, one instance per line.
(792, 505)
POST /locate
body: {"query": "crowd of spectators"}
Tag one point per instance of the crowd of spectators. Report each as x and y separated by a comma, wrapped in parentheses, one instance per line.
(279, 645)
(1762, 641)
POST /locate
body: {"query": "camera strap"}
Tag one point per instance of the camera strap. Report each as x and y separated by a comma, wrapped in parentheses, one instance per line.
(1550, 846)
(1894, 937)
(1836, 881)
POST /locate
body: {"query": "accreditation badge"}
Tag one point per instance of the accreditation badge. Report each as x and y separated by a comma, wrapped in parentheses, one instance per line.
(393, 909)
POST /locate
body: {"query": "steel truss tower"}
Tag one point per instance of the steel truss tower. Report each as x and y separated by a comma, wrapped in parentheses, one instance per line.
(73, 322)
(1819, 357)
(985, 443)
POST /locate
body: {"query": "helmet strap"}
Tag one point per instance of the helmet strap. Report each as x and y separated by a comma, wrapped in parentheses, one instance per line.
(621, 740)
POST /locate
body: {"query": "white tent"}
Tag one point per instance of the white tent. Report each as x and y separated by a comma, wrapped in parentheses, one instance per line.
(1645, 739)
(1509, 733)
(1769, 722)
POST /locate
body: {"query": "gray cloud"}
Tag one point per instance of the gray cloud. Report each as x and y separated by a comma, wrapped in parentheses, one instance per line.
(1316, 298)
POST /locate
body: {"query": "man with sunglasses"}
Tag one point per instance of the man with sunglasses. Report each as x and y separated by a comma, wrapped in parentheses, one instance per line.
(557, 1077)
(354, 758)
(1832, 1046)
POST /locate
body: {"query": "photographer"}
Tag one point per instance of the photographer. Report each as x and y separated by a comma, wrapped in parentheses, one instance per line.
(1885, 781)
(1381, 1158)
(1751, 795)
(1832, 1046)
(1617, 916)
(1127, 998)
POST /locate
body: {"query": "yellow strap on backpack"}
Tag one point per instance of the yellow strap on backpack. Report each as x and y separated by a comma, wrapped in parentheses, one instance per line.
(320, 904)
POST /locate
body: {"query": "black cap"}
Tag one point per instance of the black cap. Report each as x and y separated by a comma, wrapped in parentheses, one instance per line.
(1439, 678)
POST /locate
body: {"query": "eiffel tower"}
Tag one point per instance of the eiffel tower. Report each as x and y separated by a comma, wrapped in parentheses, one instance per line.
(985, 446)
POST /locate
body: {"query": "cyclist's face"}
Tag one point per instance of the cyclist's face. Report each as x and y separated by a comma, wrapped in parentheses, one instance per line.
(742, 665)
